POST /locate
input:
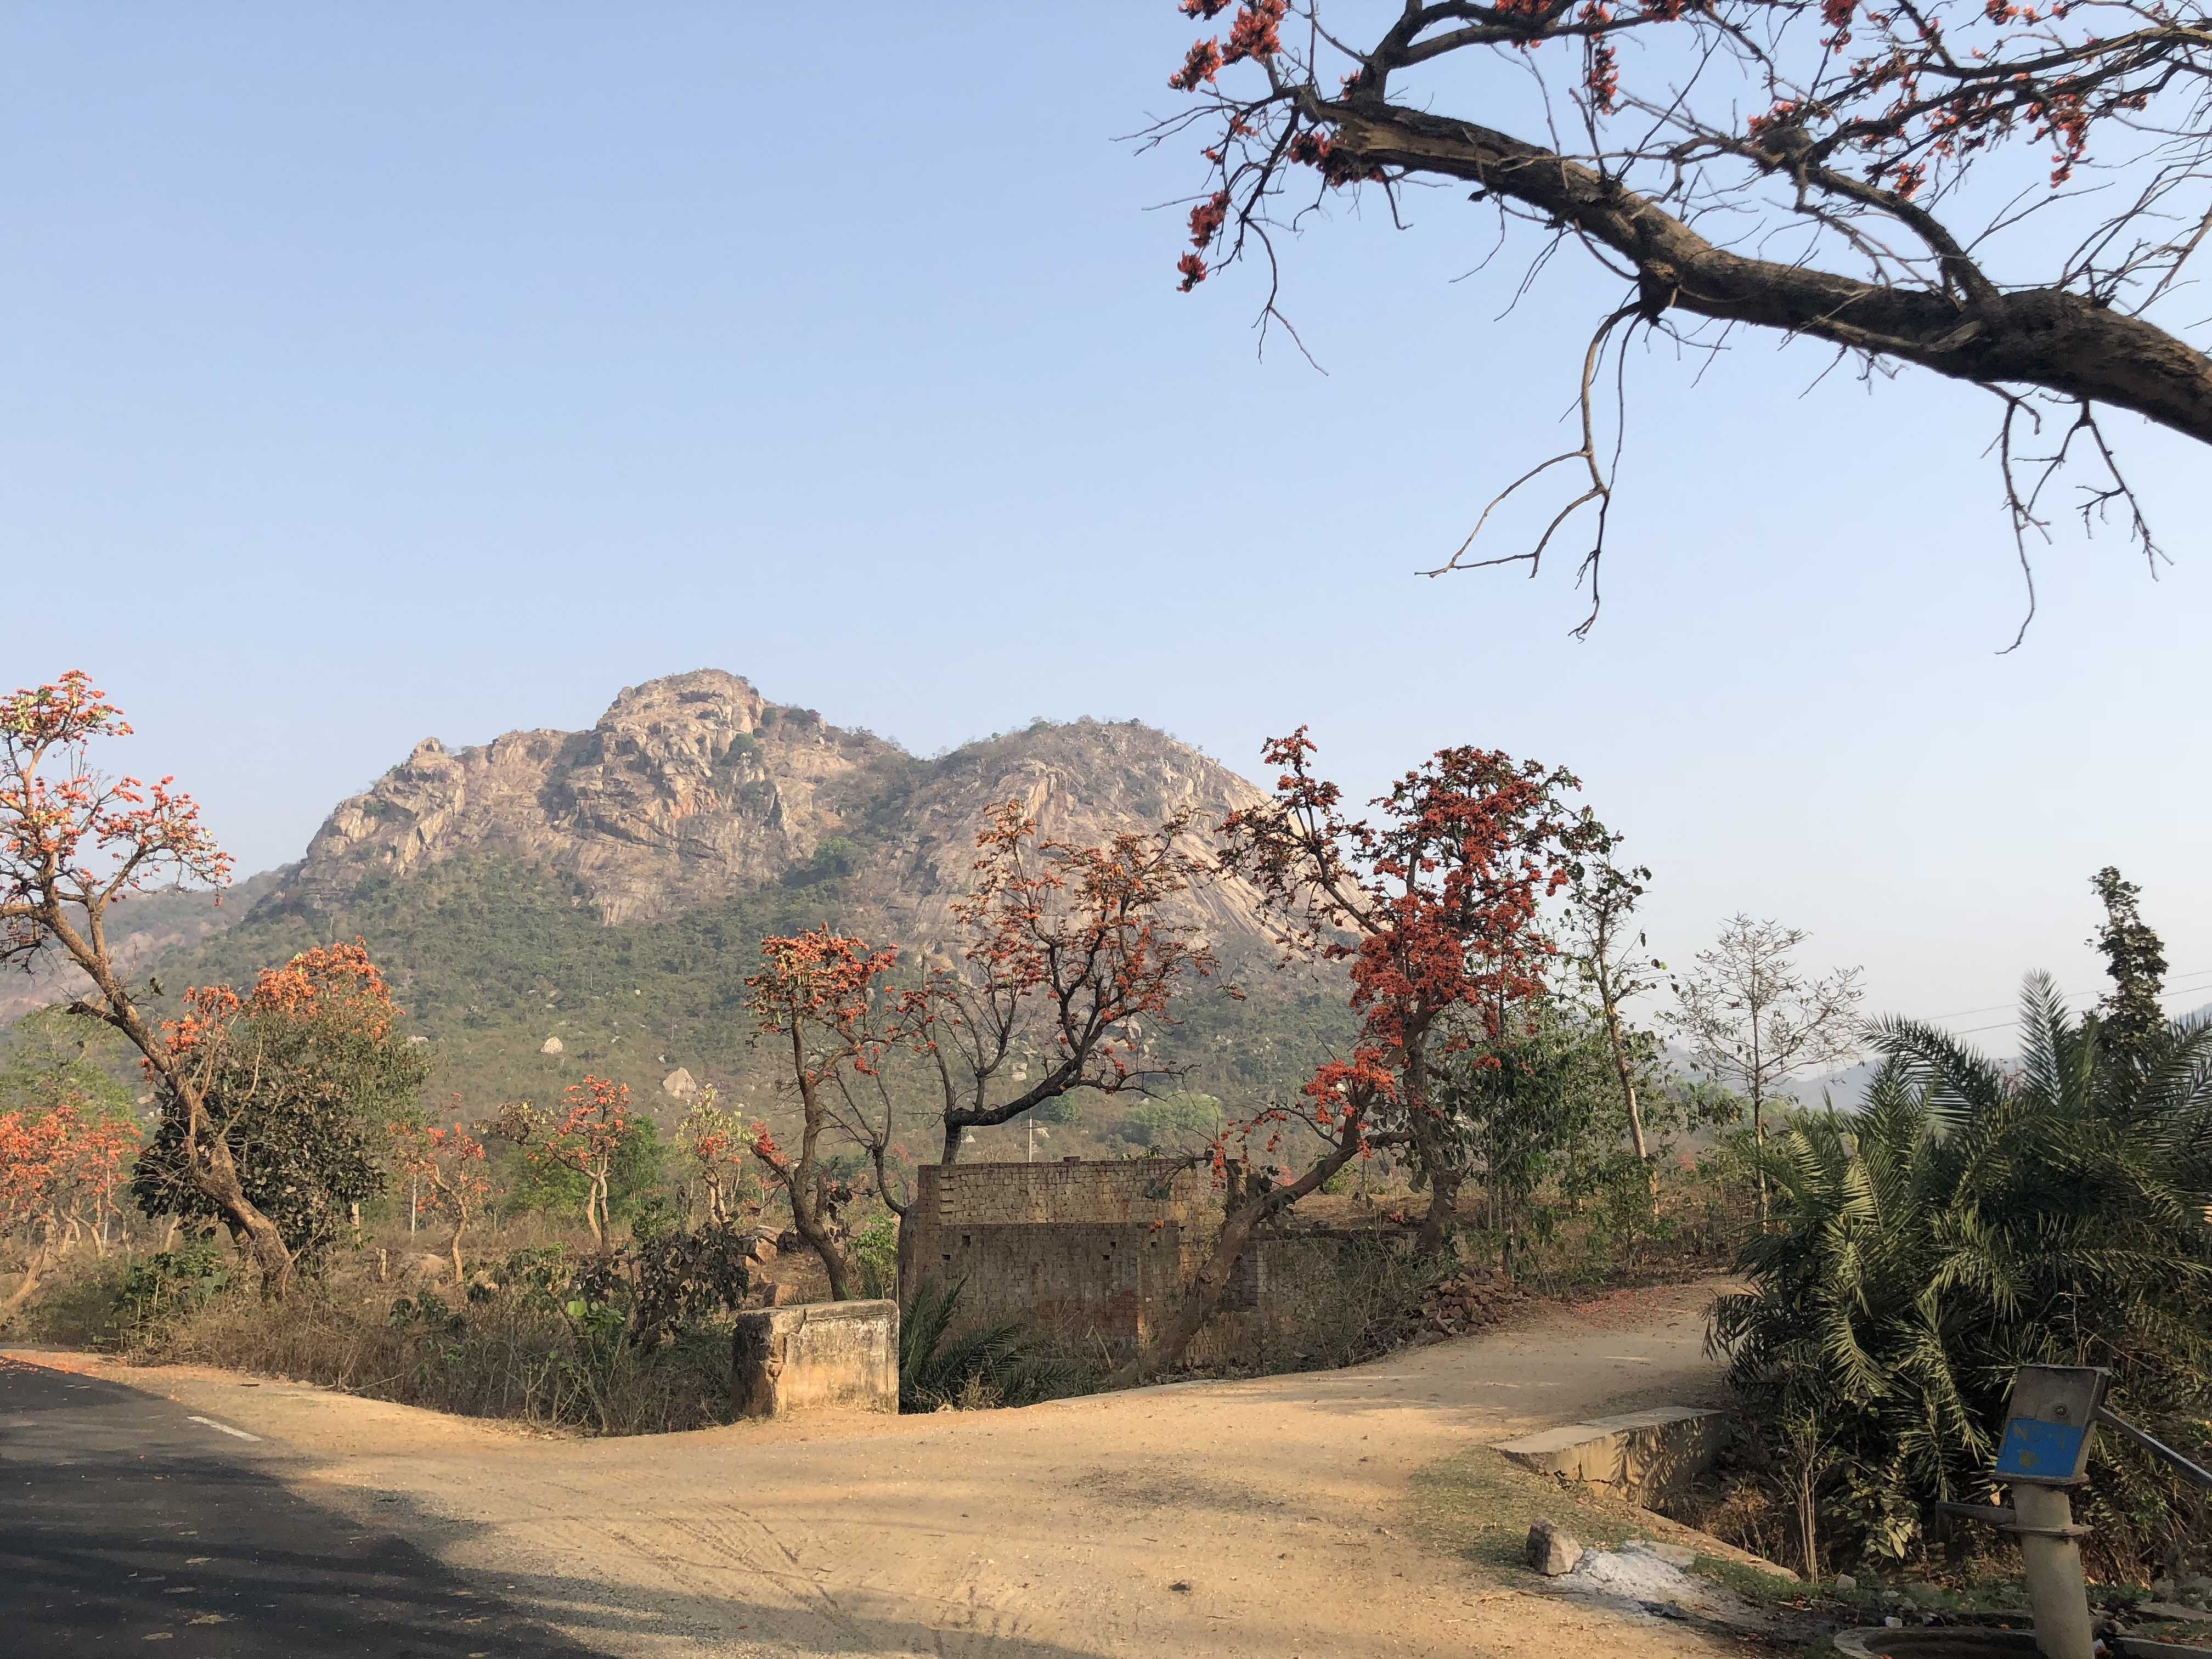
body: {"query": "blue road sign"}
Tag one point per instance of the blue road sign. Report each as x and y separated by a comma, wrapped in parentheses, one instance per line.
(2034, 1449)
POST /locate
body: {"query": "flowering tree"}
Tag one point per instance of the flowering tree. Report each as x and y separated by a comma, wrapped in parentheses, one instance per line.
(820, 992)
(294, 1079)
(73, 845)
(1069, 951)
(1335, 1112)
(713, 1142)
(589, 1140)
(449, 1165)
(2005, 195)
(61, 1168)
(1434, 906)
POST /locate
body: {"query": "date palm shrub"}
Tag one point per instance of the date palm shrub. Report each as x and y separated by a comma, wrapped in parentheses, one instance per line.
(1972, 1217)
(989, 1365)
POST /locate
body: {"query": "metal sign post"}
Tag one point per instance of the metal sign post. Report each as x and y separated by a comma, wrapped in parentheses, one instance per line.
(2046, 1449)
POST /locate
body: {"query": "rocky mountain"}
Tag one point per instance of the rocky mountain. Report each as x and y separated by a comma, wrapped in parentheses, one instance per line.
(694, 789)
(552, 901)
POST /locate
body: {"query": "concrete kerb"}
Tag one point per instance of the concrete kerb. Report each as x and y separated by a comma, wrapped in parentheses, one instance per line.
(1642, 1455)
(816, 1356)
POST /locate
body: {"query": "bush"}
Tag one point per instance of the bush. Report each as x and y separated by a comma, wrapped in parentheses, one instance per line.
(633, 1343)
(1003, 1365)
(170, 1286)
(874, 1251)
(1972, 1218)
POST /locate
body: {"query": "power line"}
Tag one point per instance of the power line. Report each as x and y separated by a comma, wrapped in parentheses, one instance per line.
(2074, 996)
(2003, 1024)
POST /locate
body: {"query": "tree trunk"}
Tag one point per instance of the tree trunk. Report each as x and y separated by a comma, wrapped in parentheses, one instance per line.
(208, 1162)
(798, 1180)
(33, 1272)
(1758, 1153)
(818, 1239)
(1627, 1074)
(1431, 1143)
(1203, 1294)
(1443, 1206)
(876, 1154)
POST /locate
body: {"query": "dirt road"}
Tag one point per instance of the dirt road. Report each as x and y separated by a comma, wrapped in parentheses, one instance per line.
(1220, 1519)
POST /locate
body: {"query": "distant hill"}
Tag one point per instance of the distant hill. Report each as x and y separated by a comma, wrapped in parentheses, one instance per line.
(141, 930)
(608, 889)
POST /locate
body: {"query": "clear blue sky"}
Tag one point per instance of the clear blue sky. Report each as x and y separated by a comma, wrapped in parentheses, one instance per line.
(370, 375)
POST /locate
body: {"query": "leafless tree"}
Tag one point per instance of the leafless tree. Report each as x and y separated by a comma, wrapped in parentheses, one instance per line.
(1755, 1020)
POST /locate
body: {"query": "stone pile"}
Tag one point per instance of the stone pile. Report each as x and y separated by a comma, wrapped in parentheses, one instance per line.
(1468, 1300)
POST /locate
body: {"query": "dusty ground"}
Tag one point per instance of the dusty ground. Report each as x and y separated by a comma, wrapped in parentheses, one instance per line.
(1261, 1517)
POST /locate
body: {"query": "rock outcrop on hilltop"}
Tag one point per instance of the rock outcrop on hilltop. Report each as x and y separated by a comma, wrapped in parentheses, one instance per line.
(695, 788)
(689, 789)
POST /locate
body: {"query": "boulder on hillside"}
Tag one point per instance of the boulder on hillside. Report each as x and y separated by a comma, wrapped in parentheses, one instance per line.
(679, 1084)
(550, 1046)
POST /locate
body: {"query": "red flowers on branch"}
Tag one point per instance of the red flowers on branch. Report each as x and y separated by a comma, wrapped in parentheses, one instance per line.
(1070, 950)
(821, 992)
(73, 845)
(447, 1169)
(587, 1140)
(1433, 903)
(61, 1171)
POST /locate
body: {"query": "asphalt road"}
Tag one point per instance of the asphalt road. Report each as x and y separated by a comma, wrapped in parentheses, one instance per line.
(129, 1524)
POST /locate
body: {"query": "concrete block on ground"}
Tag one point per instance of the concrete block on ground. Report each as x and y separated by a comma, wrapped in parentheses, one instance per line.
(1642, 1455)
(817, 1356)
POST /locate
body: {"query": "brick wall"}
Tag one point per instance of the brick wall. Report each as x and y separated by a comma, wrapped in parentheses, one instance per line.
(1092, 1251)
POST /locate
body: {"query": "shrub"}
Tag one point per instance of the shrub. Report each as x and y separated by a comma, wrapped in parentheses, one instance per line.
(1973, 1217)
(171, 1285)
(874, 1251)
(1005, 1365)
(631, 1343)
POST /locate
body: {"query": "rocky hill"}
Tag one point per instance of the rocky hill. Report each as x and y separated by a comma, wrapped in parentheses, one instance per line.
(142, 930)
(694, 789)
(552, 901)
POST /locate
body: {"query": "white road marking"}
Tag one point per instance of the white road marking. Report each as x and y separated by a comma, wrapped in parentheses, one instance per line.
(223, 1428)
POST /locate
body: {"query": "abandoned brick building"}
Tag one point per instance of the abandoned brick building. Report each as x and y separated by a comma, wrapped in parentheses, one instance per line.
(1097, 1253)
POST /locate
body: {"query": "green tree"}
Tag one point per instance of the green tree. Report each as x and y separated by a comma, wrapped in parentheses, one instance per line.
(1975, 1216)
(55, 1058)
(1185, 1118)
(1527, 1103)
(2132, 1014)
(301, 1078)
(1612, 956)
(635, 1174)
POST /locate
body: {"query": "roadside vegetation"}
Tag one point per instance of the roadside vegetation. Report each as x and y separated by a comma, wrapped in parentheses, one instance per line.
(273, 1177)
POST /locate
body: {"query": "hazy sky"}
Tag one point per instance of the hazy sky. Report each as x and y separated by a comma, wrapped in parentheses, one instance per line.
(368, 376)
